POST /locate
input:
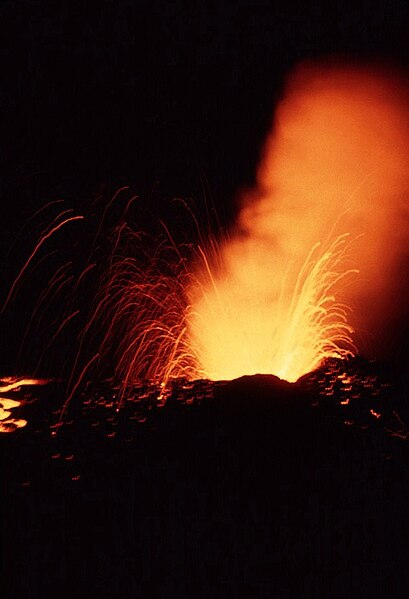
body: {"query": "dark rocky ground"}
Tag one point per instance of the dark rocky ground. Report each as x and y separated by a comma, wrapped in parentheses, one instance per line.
(252, 488)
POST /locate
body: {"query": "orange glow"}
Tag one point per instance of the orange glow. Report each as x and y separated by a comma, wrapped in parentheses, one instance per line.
(7, 423)
(16, 383)
(305, 273)
(7, 403)
(4, 414)
(10, 425)
(245, 329)
(283, 291)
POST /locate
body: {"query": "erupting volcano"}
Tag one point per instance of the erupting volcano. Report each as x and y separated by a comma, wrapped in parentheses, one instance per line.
(305, 272)
(204, 299)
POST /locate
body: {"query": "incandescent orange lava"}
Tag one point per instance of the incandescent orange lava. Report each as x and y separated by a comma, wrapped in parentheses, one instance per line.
(8, 424)
(15, 383)
(283, 291)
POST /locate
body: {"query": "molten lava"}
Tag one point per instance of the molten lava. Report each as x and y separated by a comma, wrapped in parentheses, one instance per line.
(305, 273)
(15, 383)
(288, 333)
(7, 423)
(329, 194)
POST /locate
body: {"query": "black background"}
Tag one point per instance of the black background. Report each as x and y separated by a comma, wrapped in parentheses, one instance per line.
(158, 95)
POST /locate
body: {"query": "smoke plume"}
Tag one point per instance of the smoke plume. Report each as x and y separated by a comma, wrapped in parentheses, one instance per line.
(335, 162)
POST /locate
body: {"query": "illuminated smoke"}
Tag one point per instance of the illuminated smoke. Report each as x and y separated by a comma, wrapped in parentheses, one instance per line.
(330, 198)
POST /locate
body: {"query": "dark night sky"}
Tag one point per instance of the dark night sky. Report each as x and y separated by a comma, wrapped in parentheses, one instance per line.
(158, 93)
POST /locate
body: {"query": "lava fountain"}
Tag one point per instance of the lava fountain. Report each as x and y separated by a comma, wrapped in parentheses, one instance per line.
(305, 273)
(283, 292)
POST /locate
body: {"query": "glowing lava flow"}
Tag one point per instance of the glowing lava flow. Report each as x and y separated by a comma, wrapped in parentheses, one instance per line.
(8, 424)
(15, 383)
